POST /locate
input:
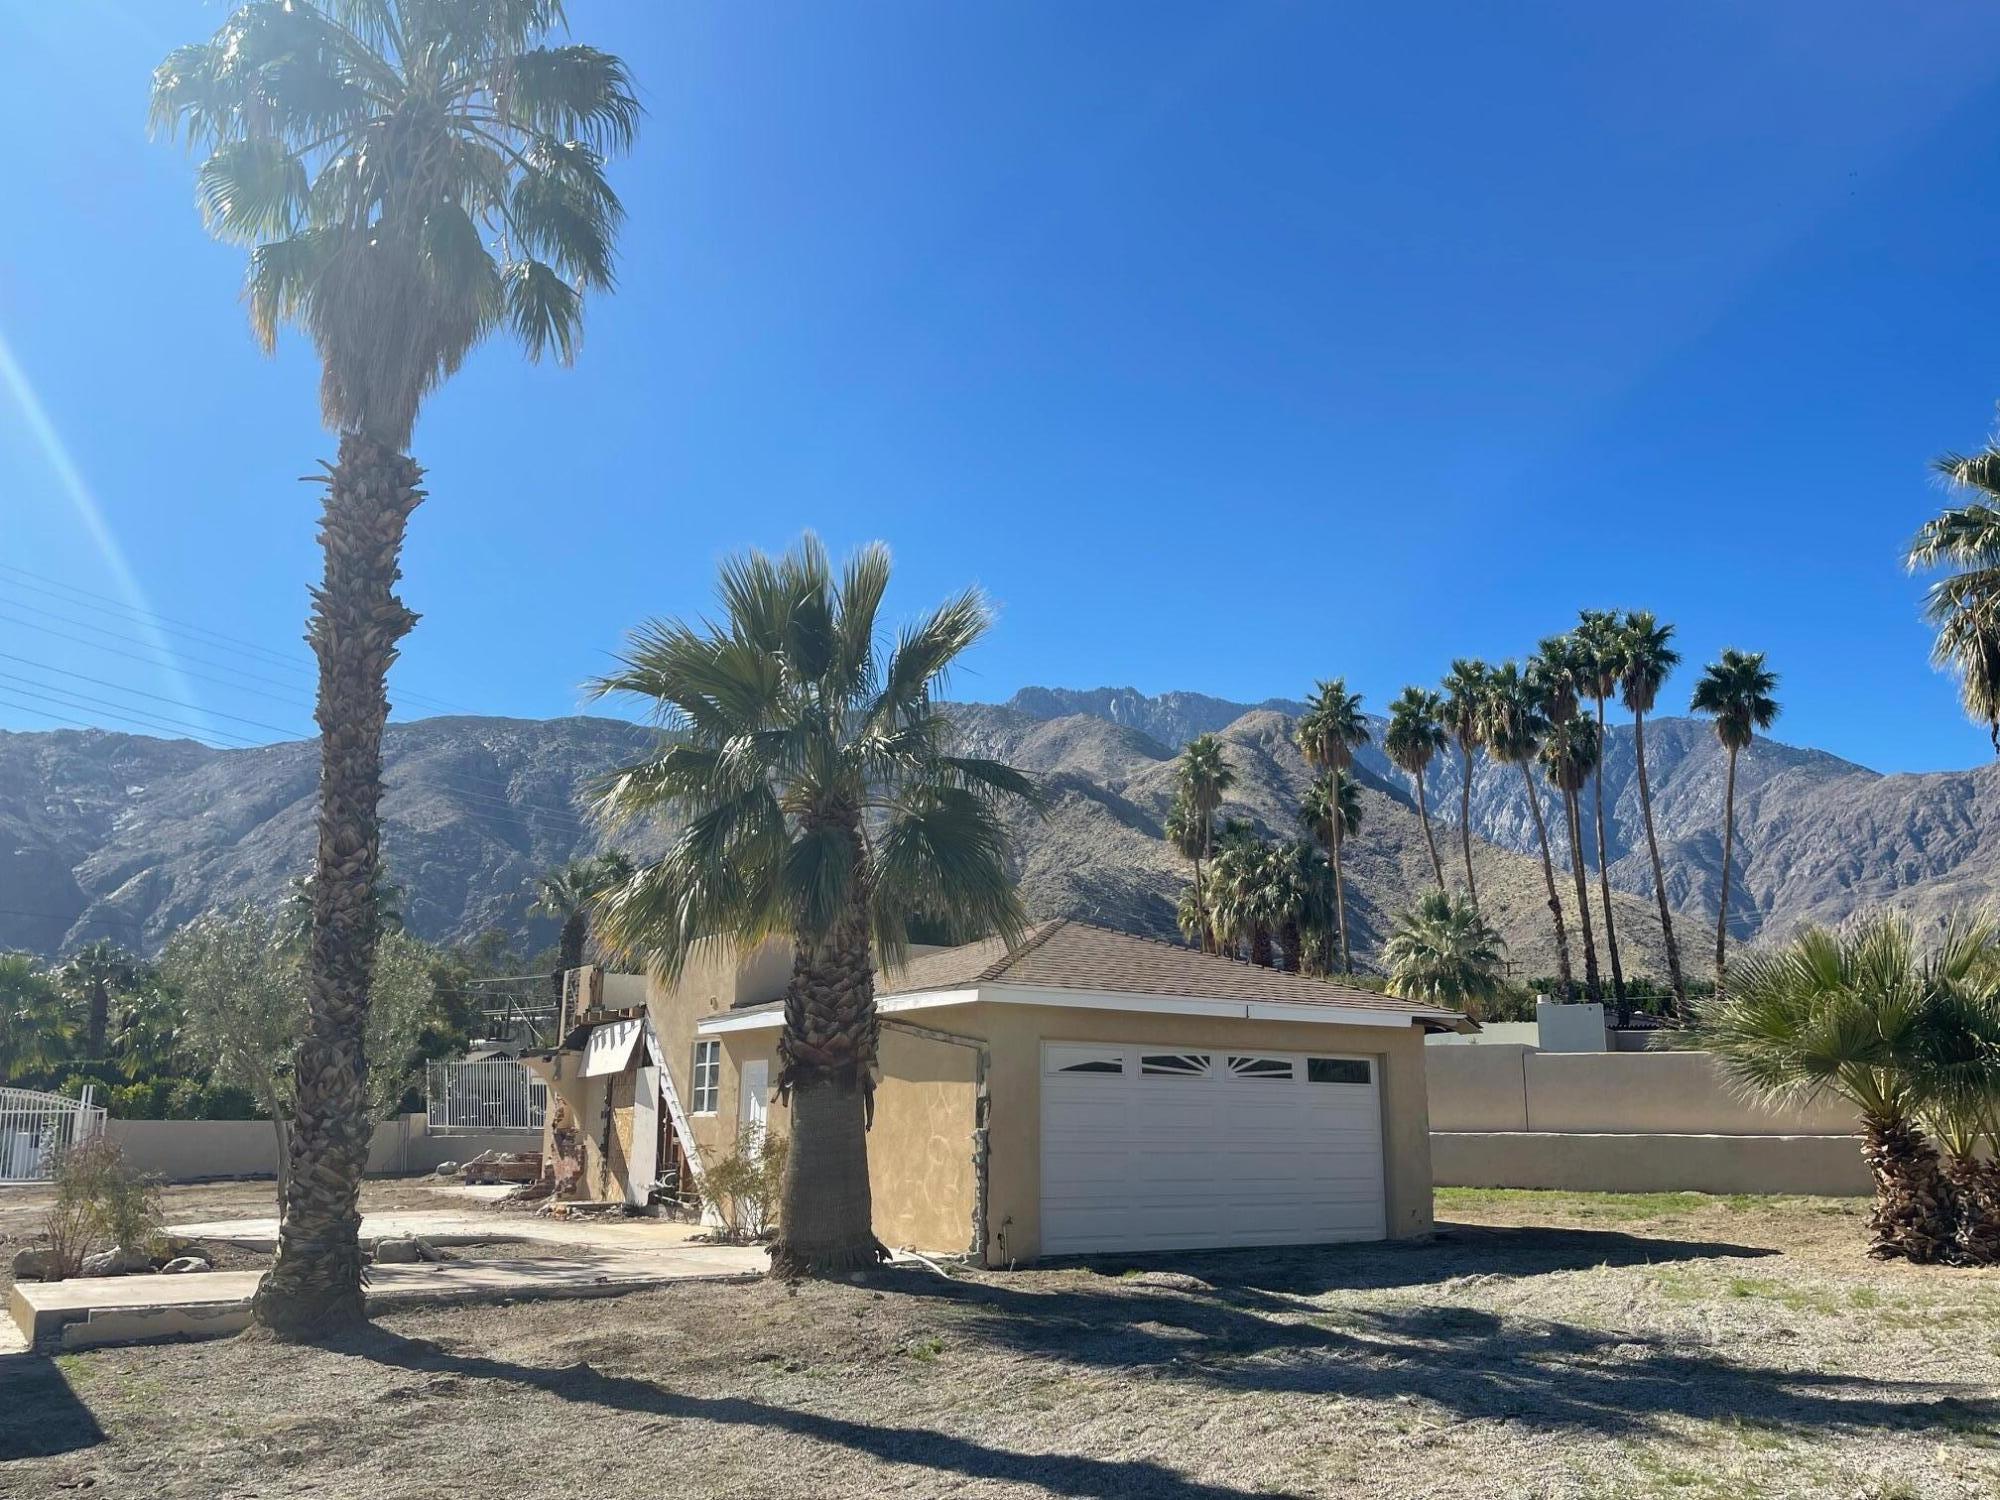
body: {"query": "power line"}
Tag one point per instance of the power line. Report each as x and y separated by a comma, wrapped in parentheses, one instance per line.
(142, 693)
(218, 637)
(166, 726)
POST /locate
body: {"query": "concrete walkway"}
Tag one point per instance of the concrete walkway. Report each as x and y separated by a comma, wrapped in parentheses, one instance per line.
(605, 1256)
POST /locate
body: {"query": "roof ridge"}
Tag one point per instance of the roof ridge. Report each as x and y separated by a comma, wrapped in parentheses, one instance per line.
(1329, 980)
(1009, 956)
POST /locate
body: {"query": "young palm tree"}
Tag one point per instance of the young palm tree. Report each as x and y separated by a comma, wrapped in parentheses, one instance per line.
(1465, 688)
(1964, 606)
(1443, 951)
(570, 893)
(1957, 1075)
(34, 1029)
(1646, 661)
(1843, 1013)
(1569, 756)
(1600, 653)
(1515, 729)
(1558, 670)
(1737, 691)
(410, 175)
(812, 776)
(1331, 813)
(94, 975)
(1415, 736)
(1202, 778)
(1327, 734)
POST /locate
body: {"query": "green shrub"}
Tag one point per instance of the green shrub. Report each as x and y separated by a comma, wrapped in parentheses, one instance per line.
(743, 1188)
(100, 1199)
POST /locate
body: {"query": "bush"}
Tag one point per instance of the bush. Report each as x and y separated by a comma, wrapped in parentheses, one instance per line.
(743, 1188)
(100, 1199)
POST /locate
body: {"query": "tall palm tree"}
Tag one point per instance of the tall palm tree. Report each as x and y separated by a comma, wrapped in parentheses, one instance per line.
(570, 893)
(1515, 729)
(1600, 653)
(1465, 688)
(1331, 813)
(1737, 691)
(410, 176)
(819, 799)
(1327, 734)
(91, 978)
(1843, 1013)
(1202, 778)
(1443, 951)
(1646, 661)
(1569, 754)
(1415, 736)
(1964, 606)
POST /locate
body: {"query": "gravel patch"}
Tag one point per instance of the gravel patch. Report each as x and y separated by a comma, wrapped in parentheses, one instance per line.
(1543, 1345)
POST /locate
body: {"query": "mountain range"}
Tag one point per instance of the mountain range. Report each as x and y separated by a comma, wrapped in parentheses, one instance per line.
(126, 836)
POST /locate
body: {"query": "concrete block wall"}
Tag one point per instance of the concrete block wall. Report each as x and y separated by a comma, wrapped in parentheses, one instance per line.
(186, 1150)
(1507, 1116)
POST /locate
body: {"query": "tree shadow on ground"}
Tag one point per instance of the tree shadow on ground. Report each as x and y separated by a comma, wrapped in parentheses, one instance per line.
(41, 1416)
(1057, 1473)
(1247, 1321)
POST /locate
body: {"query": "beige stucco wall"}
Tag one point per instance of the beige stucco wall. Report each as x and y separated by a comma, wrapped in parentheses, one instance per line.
(1015, 1034)
(1600, 1163)
(1482, 1089)
(187, 1150)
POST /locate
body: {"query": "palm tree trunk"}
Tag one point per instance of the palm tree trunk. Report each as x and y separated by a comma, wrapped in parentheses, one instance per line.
(1293, 958)
(314, 1286)
(1339, 881)
(1201, 906)
(100, 1017)
(1549, 878)
(1593, 986)
(1728, 848)
(1914, 1217)
(1975, 1183)
(1430, 839)
(575, 932)
(1659, 877)
(826, 1059)
(1465, 823)
(1604, 881)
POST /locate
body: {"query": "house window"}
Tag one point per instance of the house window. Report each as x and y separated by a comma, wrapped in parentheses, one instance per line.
(1174, 1064)
(1275, 1068)
(707, 1078)
(1337, 1070)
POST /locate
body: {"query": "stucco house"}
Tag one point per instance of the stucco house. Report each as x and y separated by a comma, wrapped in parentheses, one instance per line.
(1088, 1091)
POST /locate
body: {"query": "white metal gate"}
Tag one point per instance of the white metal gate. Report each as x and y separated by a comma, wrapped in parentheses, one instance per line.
(498, 1094)
(36, 1127)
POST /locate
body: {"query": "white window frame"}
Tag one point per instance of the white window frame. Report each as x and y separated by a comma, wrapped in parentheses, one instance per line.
(705, 1077)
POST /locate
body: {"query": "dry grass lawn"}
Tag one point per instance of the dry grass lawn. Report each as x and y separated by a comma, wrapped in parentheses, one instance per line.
(1543, 1344)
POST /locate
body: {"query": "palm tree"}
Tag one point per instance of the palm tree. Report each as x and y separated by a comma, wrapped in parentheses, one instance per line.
(1331, 813)
(33, 1021)
(819, 799)
(1515, 729)
(1964, 606)
(410, 176)
(1569, 754)
(1465, 688)
(93, 975)
(1957, 1074)
(1737, 691)
(1844, 1013)
(1645, 662)
(1416, 734)
(570, 893)
(1327, 734)
(1239, 897)
(1202, 778)
(1441, 950)
(1600, 654)
(1298, 894)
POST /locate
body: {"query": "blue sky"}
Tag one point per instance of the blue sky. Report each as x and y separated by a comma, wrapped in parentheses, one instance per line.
(1227, 345)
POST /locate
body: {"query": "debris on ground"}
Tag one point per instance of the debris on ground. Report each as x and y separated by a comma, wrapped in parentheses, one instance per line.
(502, 1167)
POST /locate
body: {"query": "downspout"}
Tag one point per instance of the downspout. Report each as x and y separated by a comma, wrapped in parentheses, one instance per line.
(982, 1108)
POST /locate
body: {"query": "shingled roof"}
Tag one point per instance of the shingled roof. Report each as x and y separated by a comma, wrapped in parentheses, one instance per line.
(1073, 955)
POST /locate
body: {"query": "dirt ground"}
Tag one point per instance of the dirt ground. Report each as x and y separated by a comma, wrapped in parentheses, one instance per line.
(1541, 1345)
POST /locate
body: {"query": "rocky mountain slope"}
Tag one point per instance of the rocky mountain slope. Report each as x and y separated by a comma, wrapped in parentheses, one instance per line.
(125, 836)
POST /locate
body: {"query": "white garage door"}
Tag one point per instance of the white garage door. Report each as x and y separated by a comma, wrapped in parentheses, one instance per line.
(1149, 1149)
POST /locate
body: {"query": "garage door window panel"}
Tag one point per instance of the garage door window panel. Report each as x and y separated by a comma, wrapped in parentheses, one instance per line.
(1175, 1064)
(1339, 1070)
